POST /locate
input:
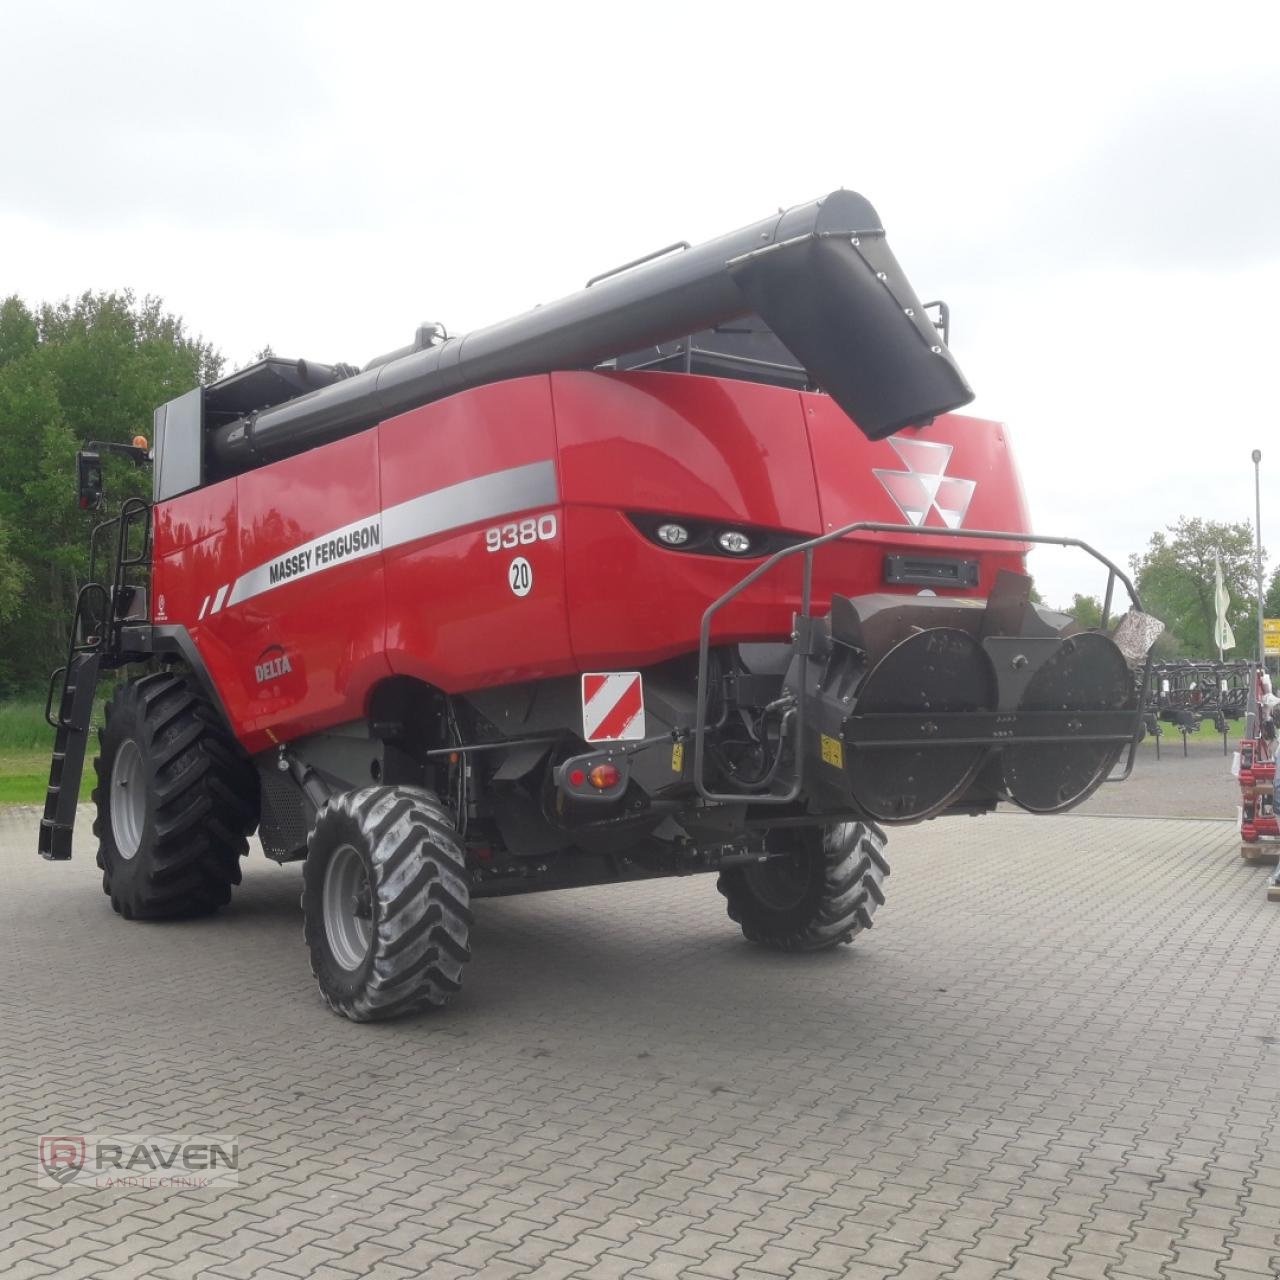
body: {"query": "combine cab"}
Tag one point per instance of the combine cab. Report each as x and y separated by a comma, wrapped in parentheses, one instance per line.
(695, 570)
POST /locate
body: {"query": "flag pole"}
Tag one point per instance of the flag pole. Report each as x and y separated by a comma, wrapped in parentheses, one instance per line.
(1257, 544)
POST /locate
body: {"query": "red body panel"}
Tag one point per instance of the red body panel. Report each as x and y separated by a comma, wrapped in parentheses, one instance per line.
(195, 543)
(305, 582)
(679, 445)
(973, 452)
(454, 620)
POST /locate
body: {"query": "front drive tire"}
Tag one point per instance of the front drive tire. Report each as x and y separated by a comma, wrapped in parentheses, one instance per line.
(822, 891)
(176, 799)
(385, 900)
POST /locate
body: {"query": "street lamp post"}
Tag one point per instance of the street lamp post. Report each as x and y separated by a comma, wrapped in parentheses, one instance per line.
(1257, 548)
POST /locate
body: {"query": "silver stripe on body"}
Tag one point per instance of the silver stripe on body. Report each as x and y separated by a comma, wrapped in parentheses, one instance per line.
(483, 498)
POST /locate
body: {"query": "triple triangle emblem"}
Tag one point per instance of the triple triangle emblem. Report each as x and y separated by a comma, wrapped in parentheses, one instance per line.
(925, 486)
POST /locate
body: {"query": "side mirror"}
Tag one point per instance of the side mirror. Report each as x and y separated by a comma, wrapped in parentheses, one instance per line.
(89, 475)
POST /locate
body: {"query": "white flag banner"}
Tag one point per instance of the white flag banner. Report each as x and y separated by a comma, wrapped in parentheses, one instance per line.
(1223, 636)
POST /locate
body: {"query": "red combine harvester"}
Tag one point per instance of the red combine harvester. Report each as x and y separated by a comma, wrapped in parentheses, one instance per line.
(691, 571)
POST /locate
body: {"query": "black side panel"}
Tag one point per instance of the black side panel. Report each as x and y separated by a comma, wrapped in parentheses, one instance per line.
(287, 814)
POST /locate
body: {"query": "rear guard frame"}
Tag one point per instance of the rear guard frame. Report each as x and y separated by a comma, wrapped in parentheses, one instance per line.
(806, 633)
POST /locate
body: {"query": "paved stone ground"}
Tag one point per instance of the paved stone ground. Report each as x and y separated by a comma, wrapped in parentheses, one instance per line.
(1058, 1055)
(1197, 785)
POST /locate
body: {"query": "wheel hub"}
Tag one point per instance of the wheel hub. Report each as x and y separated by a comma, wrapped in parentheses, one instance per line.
(348, 908)
(779, 882)
(128, 799)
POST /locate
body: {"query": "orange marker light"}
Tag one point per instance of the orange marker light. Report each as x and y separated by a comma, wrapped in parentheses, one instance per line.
(604, 776)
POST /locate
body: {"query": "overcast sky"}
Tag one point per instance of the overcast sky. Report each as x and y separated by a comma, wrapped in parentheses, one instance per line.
(1095, 189)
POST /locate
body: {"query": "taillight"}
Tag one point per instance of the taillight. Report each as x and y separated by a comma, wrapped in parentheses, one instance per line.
(598, 776)
(604, 776)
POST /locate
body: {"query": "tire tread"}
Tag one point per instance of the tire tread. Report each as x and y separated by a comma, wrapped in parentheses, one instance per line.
(420, 880)
(203, 791)
(853, 868)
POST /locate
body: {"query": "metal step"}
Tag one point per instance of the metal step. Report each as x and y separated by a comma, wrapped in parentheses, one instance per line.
(55, 841)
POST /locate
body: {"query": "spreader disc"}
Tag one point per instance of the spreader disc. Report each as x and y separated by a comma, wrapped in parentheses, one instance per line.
(1086, 673)
(936, 671)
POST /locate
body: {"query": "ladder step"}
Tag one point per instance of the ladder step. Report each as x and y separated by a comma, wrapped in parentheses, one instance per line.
(55, 841)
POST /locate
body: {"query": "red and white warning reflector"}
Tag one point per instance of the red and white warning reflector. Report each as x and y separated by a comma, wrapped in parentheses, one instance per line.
(612, 706)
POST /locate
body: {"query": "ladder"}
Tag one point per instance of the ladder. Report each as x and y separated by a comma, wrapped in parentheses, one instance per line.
(70, 742)
(95, 645)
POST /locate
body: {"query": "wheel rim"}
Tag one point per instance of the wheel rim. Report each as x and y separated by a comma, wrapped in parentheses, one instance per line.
(780, 883)
(128, 799)
(348, 908)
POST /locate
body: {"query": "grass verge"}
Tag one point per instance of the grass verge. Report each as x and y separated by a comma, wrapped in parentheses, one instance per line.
(24, 775)
(26, 743)
(1206, 733)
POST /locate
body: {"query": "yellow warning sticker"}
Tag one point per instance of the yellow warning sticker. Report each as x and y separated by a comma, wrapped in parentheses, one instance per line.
(677, 758)
(832, 751)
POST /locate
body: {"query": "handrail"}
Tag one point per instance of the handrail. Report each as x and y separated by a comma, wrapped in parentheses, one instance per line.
(639, 262)
(108, 597)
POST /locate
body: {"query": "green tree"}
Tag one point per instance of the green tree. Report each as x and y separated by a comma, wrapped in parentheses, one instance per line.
(1175, 578)
(1086, 610)
(11, 579)
(1271, 602)
(92, 368)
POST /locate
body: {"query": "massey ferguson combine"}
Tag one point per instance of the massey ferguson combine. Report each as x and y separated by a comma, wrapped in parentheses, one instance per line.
(694, 570)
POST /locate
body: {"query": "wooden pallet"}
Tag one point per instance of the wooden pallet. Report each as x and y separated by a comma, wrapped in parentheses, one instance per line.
(1261, 852)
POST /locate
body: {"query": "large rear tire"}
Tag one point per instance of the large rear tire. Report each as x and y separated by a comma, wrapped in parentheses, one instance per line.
(385, 900)
(176, 799)
(823, 890)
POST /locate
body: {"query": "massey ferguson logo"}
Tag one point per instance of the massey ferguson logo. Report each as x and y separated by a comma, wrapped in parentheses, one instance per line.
(925, 486)
(272, 664)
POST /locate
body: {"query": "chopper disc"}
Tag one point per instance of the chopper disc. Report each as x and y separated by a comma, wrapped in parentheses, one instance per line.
(1086, 673)
(939, 670)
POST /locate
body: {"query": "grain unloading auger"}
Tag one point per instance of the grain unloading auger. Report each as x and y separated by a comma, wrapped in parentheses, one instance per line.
(820, 276)
(692, 570)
